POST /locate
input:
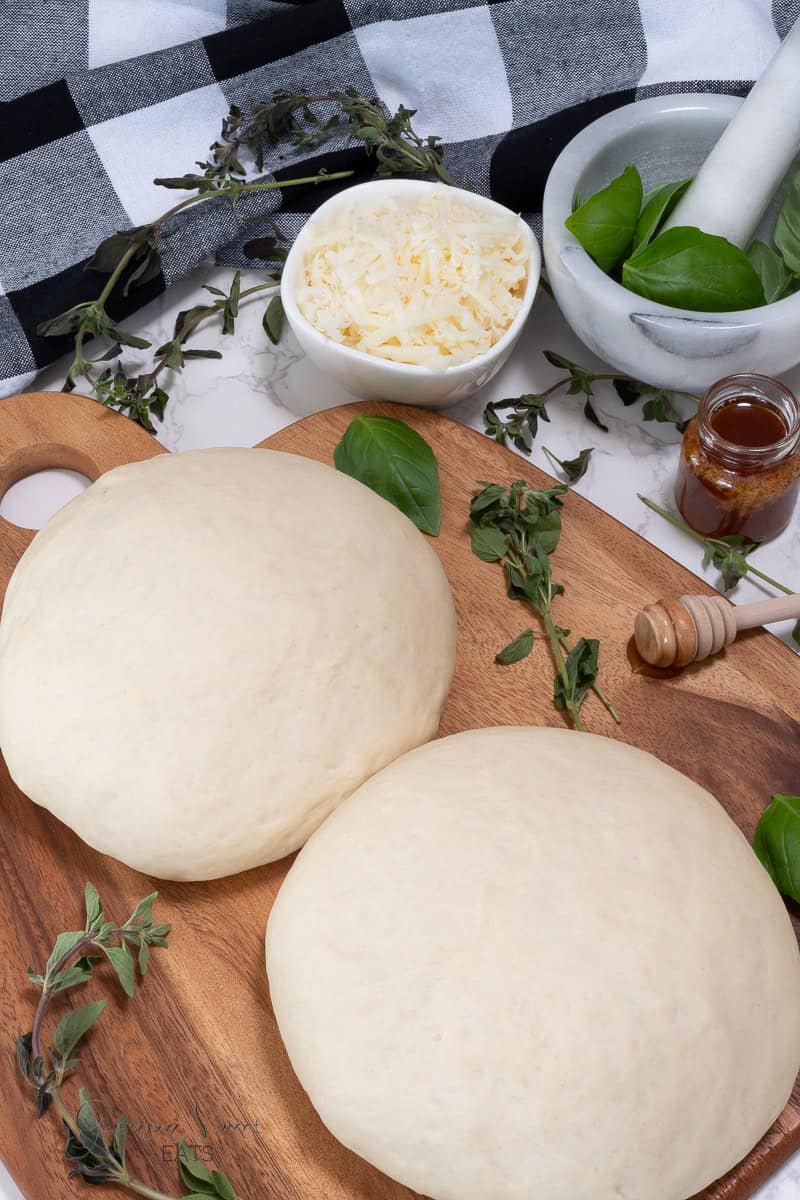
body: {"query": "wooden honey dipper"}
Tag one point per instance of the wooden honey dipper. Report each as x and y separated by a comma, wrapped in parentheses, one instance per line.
(674, 633)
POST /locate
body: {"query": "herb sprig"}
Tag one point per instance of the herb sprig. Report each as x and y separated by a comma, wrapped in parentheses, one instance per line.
(729, 554)
(92, 1154)
(131, 257)
(520, 528)
(521, 424)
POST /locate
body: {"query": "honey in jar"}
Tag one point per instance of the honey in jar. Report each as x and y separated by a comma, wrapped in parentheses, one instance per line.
(739, 469)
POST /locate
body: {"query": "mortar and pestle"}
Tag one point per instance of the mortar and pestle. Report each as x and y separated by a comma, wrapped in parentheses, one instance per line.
(743, 154)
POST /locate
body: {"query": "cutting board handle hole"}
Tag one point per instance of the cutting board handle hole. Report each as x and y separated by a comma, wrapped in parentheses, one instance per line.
(37, 481)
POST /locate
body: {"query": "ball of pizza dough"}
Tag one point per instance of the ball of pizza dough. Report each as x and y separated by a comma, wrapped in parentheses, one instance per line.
(535, 963)
(203, 654)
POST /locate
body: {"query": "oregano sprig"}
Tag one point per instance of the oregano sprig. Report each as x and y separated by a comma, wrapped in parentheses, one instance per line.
(519, 528)
(92, 1154)
(729, 554)
(130, 258)
(521, 424)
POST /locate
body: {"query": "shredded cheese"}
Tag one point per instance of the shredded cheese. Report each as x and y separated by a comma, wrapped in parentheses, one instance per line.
(432, 282)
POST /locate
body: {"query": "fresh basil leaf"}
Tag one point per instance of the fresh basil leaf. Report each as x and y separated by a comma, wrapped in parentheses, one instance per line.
(573, 468)
(771, 269)
(658, 204)
(393, 460)
(73, 1025)
(546, 529)
(686, 268)
(631, 390)
(273, 320)
(122, 962)
(787, 227)
(515, 651)
(777, 843)
(489, 545)
(605, 223)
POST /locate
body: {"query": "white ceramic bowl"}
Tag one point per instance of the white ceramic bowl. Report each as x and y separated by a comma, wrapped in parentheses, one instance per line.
(667, 137)
(373, 378)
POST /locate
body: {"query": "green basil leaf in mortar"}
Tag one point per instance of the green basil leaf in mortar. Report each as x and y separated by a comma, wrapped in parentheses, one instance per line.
(777, 843)
(658, 204)
(605, 224)
(686, 268)
(775, 276)
(394, 461)
(787, 227)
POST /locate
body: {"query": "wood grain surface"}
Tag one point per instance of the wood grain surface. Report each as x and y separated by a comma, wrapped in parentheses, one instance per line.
(196, 1054)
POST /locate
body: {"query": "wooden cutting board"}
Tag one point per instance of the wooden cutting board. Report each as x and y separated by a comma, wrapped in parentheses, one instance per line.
(196, 1054)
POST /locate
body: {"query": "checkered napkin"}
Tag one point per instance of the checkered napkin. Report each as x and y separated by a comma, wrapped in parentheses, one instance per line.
(102, 96)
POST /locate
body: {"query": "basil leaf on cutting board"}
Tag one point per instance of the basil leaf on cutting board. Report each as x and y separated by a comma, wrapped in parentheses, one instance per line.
(787, 227)
(658, 204)
(686, 268)
(392, 459)
(777, 843)
(775, 276)
(605, 224)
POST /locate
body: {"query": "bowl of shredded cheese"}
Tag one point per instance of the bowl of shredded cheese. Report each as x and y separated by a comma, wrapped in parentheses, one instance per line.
(410, 291)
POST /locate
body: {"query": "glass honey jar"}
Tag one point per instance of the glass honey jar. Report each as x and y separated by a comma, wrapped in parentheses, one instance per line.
(739, 469)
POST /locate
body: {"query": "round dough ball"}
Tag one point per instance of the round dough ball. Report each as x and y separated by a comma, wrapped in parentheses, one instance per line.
(535, 963)
(204, 653)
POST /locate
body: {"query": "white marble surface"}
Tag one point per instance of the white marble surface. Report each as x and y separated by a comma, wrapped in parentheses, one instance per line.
(257, 389)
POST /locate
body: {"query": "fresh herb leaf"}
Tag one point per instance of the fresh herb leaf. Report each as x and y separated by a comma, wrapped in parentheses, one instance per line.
(572, 685)
(120, 1139)
(657, 206)
(489, 545)
(94, 910)
(605, 223)
(686, 268)
(273, 320)
(64, 943)
(771, 269)
(515, 651)
(24, 1047)
(729, 555)
(659, 407)
(573, 468)
(222, 1186)
(519, 528)
(121, 961)
(591, 415)
(796, 634)
(194, 1173)
(393, 460)
(787, 227)
(777, 843)
(143, 913)
(73, 1025)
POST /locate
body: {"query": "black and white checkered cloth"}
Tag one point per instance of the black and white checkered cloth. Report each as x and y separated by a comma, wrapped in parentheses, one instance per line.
(102, 96)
